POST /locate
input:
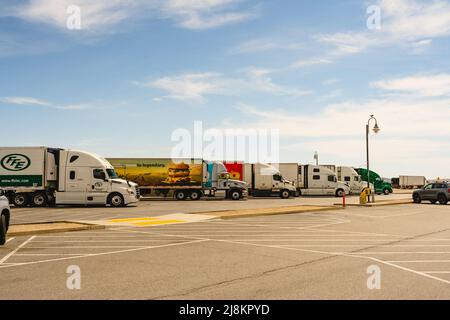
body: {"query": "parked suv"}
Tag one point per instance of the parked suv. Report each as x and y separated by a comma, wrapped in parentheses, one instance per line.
(4, 217)
(433, 192)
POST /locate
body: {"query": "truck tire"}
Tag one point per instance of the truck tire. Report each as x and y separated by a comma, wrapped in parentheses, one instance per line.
(180, 195)
(195, 195)
(416, 198)
(20, 200)
(4, 224)
(235, 194)
(442, 199)
(340, 193)
(116, 200)
(39, 199)
(284, 194)
(386, 191)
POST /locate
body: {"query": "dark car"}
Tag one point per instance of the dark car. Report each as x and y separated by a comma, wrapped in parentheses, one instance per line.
(433, 192)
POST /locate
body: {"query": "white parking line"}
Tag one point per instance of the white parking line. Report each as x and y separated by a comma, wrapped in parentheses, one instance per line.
(9, 255)
(10, 239)
(418, 261)
(102, 253)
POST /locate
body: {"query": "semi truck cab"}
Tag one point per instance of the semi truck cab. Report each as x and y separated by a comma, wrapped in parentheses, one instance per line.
(320, 180)
(86, 178)
(42, 176)
(266, 180)
(349, 176)
(381, 186)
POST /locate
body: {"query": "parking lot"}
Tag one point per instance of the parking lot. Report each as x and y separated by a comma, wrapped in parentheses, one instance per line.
(324, 255)
(170, 206)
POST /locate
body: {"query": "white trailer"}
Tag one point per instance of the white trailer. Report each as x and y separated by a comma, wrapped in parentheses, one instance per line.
(266, 180)
(41, 176)
(313, 180)
(412, 182)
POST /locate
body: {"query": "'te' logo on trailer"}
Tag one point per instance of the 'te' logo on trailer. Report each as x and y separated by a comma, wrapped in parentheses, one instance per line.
(15, 162)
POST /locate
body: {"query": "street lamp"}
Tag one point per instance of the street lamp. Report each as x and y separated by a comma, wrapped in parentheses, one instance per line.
(375, 129)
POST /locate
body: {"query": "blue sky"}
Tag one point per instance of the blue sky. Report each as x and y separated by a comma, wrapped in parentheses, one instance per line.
(137, 70)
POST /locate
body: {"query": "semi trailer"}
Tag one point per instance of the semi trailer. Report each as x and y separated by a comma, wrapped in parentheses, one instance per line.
(412, 182)
(313, 180)
(381, 186)
(262, 179)
(182, 178)
(41, 176)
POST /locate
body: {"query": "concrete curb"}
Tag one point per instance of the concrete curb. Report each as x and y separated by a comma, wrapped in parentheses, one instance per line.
(231, 214)
(378, 204)
(50, 227)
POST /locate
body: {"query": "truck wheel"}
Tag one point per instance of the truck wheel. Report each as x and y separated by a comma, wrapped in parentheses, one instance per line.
(195, 195)
(284, 194)
(39, 199)
(234, 194)
(3, 228)
(116, 200)
(416, 198)
(180, 195)
(386, 192)
(340, 193)
(20, 200)
(442, 199)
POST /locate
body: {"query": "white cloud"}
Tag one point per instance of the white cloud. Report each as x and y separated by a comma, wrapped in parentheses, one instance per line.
(24, 101)
(329, 82)
(94, 14)
(197, 86)
(205, 14)
(309, 62)
(29, 101)
(432, 85)
(194, 86)
(105, 15)
(409, 23)
(406, 144)
(263, 45)
(346, 43)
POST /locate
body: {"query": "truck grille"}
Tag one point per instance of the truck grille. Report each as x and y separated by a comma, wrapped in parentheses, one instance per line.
(137, 192)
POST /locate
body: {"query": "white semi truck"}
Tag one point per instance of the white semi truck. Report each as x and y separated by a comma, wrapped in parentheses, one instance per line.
(349, 176)
(266, 180)
(41, 176)
(262, 179)
(313, 180)
(412, 182)
(183, 178)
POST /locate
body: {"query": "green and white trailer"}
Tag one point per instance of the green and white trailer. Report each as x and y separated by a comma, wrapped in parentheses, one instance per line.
(39, 176)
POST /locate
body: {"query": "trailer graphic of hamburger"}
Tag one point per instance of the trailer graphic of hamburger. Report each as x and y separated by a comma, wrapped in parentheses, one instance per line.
(156, 172)
(178, 173)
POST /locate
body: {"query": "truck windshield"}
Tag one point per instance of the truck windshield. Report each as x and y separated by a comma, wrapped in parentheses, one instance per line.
(111, 173)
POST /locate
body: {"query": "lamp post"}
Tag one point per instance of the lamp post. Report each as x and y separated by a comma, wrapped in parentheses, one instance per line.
(375, 129)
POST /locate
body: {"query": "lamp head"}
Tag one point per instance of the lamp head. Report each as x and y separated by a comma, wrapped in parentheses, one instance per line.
(376, 129)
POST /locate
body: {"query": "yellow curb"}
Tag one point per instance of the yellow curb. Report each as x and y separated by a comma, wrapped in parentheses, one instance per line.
(132, 220)
(154, 223)
(230, 214)
(50, 227)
